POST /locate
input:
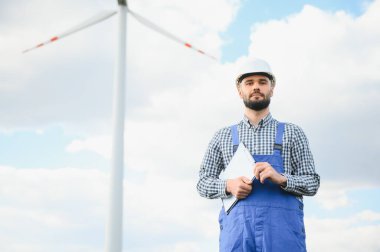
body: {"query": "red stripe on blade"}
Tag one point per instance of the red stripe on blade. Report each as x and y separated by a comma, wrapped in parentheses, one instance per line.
(53, 39)
(188, 45)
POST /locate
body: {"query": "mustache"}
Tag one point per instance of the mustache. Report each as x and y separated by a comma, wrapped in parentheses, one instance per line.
(257, 93)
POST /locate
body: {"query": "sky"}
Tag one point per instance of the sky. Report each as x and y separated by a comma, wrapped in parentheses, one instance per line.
(56, 107)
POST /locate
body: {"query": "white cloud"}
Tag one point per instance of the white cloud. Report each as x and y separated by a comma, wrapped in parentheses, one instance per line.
(69, 206)
(333, 195)
(47, 209)
(343, 234)
(368, 215)
(99, 144)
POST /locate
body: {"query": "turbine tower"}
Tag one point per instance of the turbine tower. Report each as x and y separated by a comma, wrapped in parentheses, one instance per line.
(114, 228)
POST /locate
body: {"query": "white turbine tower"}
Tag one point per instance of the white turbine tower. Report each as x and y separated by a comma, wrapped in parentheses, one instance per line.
(114, 228)
(114, 232)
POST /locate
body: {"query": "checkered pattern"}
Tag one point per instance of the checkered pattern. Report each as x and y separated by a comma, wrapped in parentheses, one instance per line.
(296, 154)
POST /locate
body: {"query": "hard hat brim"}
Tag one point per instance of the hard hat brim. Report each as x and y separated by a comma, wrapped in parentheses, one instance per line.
(241, 77)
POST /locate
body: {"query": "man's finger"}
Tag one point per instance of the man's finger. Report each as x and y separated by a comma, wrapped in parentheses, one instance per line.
(245, 187)
(241, 197)
(262, 165)
(246, 180)
(263, 177)
(258, 169)
(243, 194)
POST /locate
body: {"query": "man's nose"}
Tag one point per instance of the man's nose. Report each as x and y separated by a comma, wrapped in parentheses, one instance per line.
(255, 85)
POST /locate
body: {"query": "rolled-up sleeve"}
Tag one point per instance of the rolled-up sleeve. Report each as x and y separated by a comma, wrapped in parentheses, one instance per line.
(303, 179)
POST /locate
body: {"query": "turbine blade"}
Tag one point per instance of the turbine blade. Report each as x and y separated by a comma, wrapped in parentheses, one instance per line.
(165, 33)
(87, 23)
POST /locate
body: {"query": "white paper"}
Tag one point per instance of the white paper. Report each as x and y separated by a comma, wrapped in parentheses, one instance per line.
(241, 164)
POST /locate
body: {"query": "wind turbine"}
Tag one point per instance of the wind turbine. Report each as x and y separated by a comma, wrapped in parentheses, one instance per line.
(114, 228)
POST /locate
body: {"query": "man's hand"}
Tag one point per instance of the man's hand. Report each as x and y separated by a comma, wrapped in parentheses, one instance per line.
(239, 187)
(264, 170)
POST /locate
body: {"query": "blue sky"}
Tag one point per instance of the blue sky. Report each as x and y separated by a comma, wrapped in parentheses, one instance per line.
(28, 149)
(251, 12)
(55, 110)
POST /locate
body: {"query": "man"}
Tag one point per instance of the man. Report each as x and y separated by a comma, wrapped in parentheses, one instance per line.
(269, 214)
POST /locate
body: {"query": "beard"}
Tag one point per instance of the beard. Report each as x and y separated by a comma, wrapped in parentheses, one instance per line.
(257, 105)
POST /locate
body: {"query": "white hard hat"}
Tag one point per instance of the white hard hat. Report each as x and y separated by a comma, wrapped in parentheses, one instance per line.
(256, 67)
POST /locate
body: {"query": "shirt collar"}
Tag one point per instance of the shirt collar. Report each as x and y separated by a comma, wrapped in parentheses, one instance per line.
(264, 122)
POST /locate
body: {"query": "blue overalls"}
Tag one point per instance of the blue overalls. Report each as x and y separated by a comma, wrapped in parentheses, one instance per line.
(269, 219)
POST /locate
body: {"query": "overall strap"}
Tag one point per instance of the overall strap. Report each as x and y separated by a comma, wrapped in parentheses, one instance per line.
(235, 137)
(279, 135)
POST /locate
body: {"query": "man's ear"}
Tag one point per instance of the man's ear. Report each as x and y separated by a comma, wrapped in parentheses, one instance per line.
(239, 90)
(271, 90)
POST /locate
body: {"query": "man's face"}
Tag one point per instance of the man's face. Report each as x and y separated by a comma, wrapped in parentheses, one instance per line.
(256, 91)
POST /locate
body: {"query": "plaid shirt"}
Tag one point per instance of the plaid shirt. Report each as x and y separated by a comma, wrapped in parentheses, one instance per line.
(298, 160)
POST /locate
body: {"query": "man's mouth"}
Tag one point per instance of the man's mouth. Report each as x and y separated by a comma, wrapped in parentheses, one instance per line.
(257, 95)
